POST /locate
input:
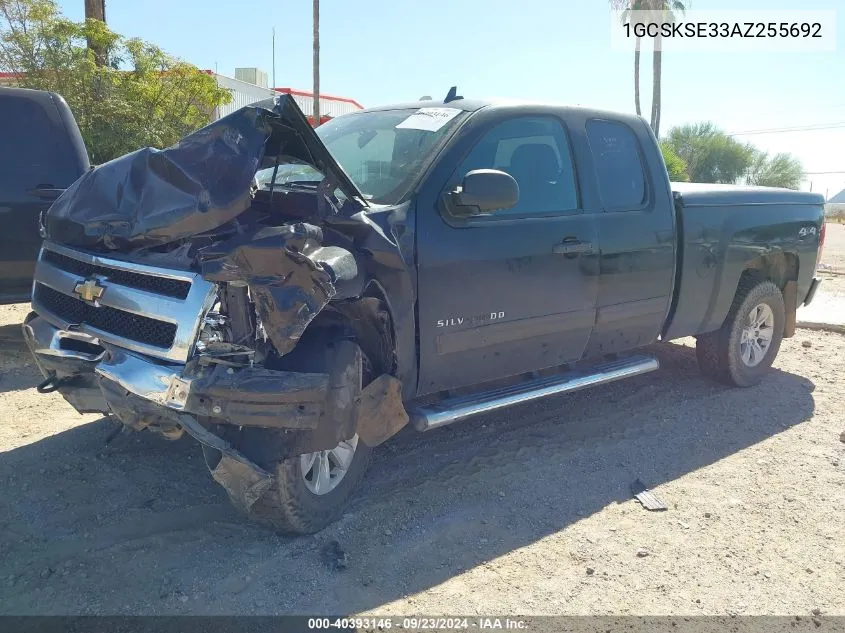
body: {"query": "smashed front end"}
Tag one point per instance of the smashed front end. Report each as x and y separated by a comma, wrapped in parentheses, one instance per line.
(178, 292)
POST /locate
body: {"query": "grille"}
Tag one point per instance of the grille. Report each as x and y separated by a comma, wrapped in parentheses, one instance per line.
(117, 322)
(175, 288)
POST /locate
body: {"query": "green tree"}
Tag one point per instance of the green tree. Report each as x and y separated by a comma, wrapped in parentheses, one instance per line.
(710, 154)
(139, 97)
(780, 170)
(675, 165)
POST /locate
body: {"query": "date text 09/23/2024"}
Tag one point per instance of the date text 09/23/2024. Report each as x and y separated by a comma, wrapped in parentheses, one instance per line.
(418, 623)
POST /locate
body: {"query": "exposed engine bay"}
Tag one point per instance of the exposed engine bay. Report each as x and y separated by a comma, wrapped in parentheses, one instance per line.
(184, 290)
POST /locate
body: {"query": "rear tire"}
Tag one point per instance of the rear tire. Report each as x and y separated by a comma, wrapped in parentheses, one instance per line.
(743, 350)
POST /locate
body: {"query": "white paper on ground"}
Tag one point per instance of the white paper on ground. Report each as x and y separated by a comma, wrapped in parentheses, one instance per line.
(429, 119)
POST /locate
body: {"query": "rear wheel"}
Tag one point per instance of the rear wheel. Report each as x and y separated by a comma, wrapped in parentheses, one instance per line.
(743, 350)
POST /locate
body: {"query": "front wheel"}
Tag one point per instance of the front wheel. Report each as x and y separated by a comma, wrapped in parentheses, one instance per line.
(743, 350)
(310, 491)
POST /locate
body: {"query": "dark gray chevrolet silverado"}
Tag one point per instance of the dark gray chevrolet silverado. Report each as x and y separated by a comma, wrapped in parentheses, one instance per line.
(293, 298)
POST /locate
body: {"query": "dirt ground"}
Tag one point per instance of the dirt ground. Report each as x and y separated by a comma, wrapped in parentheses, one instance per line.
(832, 269)
(833, 255)
(527, 511)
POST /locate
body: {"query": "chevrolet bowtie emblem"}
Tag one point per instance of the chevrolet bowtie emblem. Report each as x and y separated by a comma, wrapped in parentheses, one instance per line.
(89, 290)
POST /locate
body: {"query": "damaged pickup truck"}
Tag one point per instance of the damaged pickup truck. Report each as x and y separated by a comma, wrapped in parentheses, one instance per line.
(291, 298)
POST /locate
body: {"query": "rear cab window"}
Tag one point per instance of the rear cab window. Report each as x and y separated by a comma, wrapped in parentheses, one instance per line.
(618, 165)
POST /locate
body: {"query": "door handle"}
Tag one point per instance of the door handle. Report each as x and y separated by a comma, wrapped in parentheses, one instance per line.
(572, 247)
(45, 193)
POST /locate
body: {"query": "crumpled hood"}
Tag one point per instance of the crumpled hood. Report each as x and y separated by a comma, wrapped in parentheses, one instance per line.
(153, 197)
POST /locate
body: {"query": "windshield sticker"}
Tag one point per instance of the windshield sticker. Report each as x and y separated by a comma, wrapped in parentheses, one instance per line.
(429, 119)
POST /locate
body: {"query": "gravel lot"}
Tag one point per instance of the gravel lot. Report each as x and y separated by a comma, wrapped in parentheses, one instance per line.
(832, 270)
(523, 512)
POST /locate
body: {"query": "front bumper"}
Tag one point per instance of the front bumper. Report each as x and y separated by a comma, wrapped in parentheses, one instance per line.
(94, 376)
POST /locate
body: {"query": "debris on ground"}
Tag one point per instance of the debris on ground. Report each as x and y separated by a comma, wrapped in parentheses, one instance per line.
(806, 343)
(333, 556)
(646, 497)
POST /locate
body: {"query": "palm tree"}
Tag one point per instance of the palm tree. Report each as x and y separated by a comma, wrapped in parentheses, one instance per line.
(316, 38)
(668, 8)
(633, 18)
(633, 13)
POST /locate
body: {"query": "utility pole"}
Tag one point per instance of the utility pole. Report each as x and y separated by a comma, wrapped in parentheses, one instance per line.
(316, 108)
(96, 10)
(274, 60)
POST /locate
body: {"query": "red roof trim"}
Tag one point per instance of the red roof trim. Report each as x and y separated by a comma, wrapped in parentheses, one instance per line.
(305, 93)
(10, 75)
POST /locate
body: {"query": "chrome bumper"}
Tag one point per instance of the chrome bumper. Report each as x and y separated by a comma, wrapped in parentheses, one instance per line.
(95, 376)
(77, 359)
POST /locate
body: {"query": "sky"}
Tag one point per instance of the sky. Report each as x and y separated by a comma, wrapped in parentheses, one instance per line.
(383, 51)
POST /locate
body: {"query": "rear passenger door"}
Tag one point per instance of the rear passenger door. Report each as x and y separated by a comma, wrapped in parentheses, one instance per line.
(637, 233)
(498, 295)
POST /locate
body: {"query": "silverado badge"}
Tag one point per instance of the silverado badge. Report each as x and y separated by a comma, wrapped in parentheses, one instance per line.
(89, 290)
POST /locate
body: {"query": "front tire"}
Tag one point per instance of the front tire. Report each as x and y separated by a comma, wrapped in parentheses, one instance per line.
(743, 350)
(308, 493)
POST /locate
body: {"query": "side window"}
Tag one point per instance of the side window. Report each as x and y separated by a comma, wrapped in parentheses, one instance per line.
(28, 155)
(619, 169)
(535, 151)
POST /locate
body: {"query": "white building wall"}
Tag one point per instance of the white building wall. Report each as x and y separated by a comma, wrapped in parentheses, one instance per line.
(243, 94)
(328, 106)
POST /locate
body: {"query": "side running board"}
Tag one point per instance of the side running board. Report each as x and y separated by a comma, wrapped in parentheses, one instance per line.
(456, 409)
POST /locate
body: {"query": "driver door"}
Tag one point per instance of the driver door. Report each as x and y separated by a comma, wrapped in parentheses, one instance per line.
(498, 295)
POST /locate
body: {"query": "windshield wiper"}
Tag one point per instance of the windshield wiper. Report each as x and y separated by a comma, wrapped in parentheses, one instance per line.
(295, 185)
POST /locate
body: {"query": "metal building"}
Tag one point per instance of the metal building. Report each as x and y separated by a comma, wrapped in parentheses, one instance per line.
(250, 85)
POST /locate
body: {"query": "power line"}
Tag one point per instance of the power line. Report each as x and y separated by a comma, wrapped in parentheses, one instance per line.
(800, 128)
(822, 173)
(830, 106)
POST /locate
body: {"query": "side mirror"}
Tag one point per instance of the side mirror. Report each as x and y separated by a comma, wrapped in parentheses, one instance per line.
(484, 191)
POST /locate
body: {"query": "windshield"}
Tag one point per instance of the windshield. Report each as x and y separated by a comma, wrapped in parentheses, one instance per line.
(384, 152)
(289, 170)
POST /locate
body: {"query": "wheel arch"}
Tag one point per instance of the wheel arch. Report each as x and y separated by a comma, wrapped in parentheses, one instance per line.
(367, 319)
(781, 268)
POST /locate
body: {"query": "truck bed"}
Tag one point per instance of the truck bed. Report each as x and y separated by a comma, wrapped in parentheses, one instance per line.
(725, 230)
